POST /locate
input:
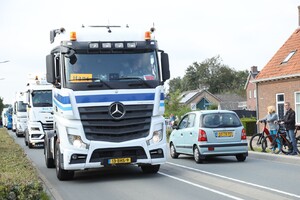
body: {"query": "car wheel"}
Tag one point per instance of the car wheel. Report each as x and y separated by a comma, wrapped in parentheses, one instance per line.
(241, 157)
(173, 152)
(197, 156)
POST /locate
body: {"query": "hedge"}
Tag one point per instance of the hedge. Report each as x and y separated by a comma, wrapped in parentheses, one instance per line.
(249, 125)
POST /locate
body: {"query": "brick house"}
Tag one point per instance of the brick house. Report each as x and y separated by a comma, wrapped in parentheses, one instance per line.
(251, 89)
(279, 80)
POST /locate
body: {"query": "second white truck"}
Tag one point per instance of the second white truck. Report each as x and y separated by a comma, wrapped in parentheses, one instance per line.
(38, 98)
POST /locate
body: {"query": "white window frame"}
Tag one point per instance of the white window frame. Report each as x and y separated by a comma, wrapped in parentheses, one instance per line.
(250, 94)
(297, 107)
(254, 93)
(279, 102)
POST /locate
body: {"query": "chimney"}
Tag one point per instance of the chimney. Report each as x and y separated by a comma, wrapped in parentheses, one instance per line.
(254, 68)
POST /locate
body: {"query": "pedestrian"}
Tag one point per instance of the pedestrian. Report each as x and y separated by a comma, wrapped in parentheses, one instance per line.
(271, 118)
(172, 119)
(289, 122)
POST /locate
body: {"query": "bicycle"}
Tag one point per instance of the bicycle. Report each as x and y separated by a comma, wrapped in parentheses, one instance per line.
(257, 139)
(281, 136)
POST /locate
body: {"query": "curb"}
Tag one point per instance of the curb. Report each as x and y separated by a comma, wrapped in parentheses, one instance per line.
(275, 157)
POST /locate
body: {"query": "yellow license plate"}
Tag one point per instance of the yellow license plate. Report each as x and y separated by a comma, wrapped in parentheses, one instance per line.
(224, 134)
(119, 161)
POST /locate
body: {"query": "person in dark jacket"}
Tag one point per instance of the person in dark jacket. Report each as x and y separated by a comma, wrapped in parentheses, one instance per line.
(289, 122)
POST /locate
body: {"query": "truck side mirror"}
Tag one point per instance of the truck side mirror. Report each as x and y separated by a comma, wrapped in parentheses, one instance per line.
(50, 69)
(165, 66)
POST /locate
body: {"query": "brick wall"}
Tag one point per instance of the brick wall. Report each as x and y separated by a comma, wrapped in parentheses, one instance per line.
(267, 93)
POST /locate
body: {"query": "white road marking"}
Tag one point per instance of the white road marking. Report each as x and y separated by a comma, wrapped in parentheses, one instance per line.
(200, 186)
(236, 180)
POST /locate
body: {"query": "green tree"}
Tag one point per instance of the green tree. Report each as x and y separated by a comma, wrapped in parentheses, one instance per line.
(175, 84)
(172, 105)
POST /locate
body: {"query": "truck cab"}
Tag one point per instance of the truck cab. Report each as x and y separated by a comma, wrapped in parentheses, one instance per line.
(38, 97)
(108, 100)
(19, 115)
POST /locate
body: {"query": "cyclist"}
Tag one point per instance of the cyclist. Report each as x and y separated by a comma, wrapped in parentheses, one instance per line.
(271, 119)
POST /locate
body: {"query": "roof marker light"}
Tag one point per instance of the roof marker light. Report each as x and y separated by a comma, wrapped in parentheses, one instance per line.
(131, 45)
(119, 45)
(73, 36)
(106, 45)
(147, 35)
(94, 45)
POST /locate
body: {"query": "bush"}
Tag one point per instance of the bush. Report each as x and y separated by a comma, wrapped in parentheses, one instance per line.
(18, 178)
(249, 125)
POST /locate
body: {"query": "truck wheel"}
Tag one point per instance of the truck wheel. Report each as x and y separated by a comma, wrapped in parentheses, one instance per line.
(61, 174)
(48, 158)
(30, 145)
(25, 138)
(150, 169)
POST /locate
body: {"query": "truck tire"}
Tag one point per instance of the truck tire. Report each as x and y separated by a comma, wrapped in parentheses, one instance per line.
(61, 174)
(25, 137)
(48, 157)
(150, 169)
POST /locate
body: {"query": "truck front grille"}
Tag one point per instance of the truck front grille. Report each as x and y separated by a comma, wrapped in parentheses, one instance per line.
(47, 126)
(100, 126)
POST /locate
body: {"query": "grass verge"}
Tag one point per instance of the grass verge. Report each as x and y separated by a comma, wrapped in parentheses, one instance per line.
(18, 178)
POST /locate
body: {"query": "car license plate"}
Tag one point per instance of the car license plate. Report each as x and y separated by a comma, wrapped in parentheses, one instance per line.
(225, 134)
(119, 161)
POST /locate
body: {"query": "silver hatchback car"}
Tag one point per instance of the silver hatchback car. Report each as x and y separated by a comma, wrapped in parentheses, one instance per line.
(209, 133)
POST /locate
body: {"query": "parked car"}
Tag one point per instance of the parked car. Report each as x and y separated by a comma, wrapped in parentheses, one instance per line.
(209, 133)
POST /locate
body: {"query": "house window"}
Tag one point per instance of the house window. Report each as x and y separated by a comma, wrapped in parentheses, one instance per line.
(250, 94)
(288, 57)
(280, 105)
(297, 107)
(254, 94)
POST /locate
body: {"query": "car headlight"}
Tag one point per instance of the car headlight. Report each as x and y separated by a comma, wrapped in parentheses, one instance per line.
(76, 141)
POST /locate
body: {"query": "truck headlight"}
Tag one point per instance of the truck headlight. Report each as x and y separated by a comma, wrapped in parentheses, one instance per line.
(157, 135)
(77, 142)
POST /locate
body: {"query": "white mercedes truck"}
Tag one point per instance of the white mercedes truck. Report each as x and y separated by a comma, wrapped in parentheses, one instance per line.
(38, 97)
(108, 100)
(19, 115)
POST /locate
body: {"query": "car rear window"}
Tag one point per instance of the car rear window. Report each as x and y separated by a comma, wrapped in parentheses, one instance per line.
(218, 120)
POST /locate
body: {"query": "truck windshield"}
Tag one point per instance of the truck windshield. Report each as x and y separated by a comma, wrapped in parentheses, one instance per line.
(111, 68)
(42, 98)
(21, 107)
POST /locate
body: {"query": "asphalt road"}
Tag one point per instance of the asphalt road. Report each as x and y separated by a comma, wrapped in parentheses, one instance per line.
(261, 176)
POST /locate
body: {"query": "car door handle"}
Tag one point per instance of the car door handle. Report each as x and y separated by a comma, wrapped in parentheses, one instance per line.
(191, 133)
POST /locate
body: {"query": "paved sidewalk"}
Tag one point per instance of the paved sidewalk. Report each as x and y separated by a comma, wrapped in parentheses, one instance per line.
(275, 157)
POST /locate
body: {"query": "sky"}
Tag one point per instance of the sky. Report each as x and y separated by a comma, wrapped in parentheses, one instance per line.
(243, 33)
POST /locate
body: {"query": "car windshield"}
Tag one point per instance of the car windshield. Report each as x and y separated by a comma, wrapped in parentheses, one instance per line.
(42, 98)
(114, 67)
(220, 120)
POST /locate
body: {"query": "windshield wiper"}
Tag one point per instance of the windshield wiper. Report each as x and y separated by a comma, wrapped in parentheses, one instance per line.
(143, 82)
(97, 82)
